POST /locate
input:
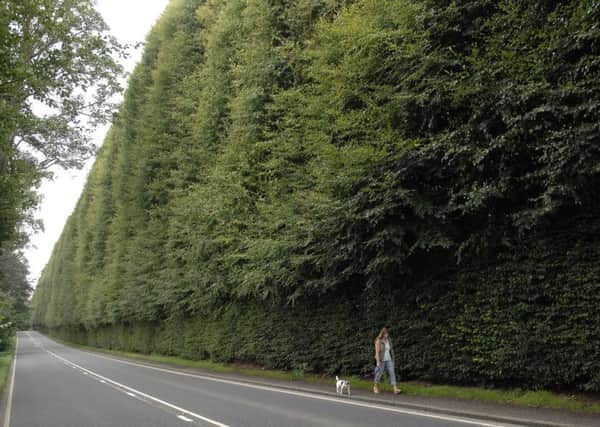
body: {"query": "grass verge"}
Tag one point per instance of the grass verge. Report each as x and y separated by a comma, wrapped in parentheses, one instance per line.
(518, 397)
(5, 361)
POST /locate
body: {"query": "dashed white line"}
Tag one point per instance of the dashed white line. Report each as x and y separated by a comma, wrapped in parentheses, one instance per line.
(132, 392)
(184, 418)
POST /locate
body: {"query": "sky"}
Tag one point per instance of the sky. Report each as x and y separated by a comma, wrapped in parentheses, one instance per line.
(129, 21)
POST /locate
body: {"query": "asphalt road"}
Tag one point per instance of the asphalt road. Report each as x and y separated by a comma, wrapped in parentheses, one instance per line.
(58, 386)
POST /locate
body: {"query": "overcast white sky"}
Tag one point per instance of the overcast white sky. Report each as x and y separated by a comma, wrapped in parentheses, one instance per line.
(129, 21)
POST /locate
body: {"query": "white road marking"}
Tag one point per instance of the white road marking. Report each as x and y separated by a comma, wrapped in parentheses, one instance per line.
(184, 418)
(311, 396)
(11, 387)
(130, 394)
(132, 390)
(103, 382)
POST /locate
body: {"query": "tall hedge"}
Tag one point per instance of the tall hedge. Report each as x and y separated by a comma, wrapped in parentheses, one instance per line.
(285, 177)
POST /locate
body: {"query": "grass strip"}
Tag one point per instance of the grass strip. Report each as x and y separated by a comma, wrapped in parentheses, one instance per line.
(518, 397)
(5, 361)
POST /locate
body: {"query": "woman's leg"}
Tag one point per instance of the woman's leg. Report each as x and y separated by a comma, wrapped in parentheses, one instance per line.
(379, 373)
(392, 374)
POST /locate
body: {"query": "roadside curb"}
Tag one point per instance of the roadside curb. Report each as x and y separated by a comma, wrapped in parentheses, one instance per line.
(286, 386)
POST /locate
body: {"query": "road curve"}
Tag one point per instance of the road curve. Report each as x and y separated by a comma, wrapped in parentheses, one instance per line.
(59, 386)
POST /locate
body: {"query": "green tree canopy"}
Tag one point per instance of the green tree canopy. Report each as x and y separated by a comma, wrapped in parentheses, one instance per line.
(58, 77)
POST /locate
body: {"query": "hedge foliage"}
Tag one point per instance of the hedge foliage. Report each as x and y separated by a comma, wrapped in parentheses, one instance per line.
(285, 177)
(530, 318)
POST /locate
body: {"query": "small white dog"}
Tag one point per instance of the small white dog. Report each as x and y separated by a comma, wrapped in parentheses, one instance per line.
(341, 385)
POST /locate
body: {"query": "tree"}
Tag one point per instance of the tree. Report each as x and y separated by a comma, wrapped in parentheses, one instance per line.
(6, 320)
(14, 295)
(58, 76)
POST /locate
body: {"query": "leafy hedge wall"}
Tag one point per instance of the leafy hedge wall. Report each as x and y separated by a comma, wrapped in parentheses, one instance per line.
(284, 177)
(531, 317)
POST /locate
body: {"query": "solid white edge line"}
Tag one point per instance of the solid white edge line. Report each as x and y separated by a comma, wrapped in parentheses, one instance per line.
(12, 385)
(184, 418)
(309, 395)
(140, 393)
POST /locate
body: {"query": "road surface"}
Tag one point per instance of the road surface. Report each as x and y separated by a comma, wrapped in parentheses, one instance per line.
(59, 386)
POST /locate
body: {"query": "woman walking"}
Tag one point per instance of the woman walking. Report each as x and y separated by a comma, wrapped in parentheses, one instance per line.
(384, 356)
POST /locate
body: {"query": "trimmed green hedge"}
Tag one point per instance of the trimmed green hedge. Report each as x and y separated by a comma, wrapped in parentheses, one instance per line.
(530, 318)
(285, 177)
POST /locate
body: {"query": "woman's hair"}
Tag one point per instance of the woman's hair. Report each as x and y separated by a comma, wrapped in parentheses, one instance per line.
(383, 330)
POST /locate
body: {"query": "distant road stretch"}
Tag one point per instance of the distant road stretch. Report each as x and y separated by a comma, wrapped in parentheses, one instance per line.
(59, 386)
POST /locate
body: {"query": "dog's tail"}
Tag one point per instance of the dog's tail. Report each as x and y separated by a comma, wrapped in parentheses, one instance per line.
(337, 378)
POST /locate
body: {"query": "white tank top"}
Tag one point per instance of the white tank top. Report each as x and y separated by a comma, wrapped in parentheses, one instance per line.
(386, 351)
